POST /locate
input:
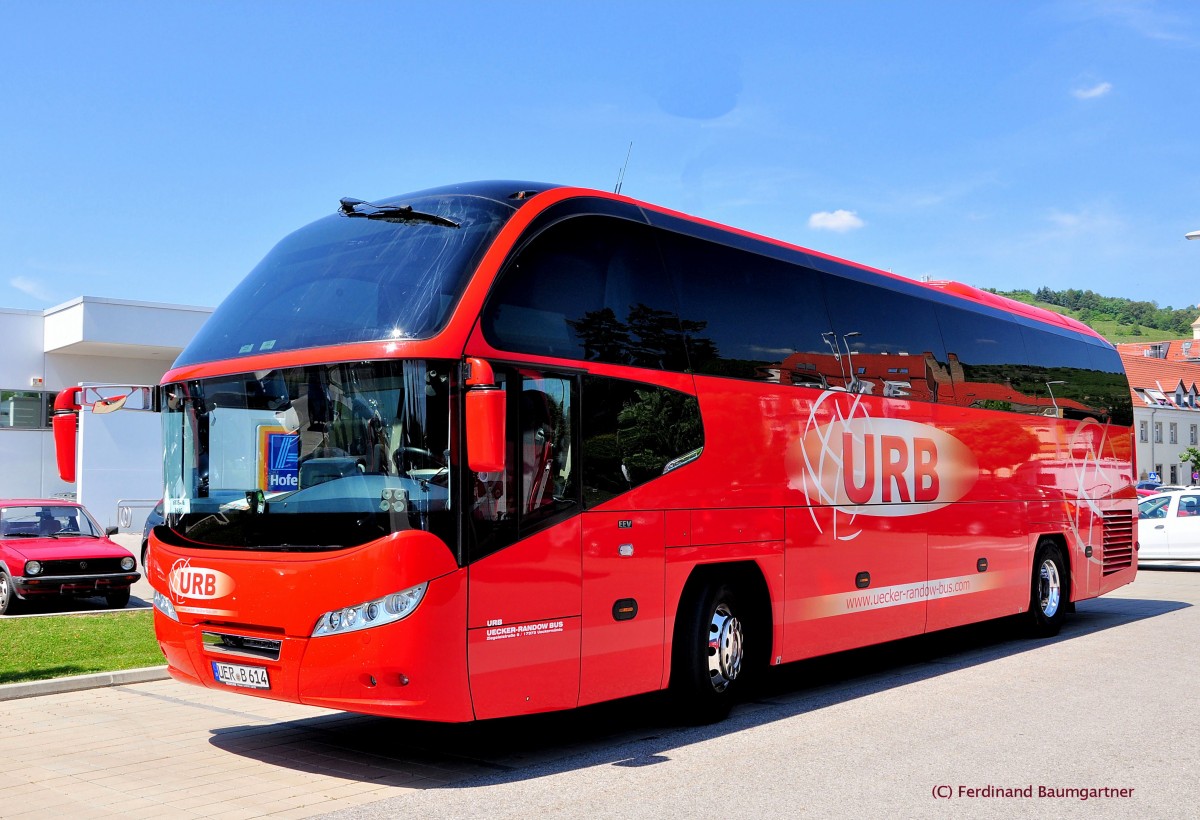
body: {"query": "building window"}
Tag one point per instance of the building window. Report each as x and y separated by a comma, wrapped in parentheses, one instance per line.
(1158, 434)
(1174, 474)
(1143, 431)
(1173, 434)
(1157, 397)
(1192, 435)
(25, 409)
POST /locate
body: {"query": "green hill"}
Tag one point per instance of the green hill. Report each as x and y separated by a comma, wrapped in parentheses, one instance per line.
(1117, 319)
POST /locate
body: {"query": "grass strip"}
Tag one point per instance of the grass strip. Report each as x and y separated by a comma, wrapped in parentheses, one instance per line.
(58, 646)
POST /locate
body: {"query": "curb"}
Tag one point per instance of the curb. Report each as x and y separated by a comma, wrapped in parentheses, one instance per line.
(78, 683)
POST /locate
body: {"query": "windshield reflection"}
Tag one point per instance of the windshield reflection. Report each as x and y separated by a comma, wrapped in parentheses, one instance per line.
(309, 457)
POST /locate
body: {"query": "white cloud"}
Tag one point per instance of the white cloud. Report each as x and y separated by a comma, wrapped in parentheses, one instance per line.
(1097, 90)
(1095, 220)
(1146, 17)
(839, 221)
(30, 287)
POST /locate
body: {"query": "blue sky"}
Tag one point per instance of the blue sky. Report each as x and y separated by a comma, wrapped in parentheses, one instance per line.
(156, 151)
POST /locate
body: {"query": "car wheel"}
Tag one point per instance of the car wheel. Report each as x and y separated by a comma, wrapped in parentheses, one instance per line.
(145, 555)
(117, 599)
(708, 670)
(1049, 591)
(8, 595)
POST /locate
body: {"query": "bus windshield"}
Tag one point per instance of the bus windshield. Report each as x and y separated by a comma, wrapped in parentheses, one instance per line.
(309, 457)
(341, 280)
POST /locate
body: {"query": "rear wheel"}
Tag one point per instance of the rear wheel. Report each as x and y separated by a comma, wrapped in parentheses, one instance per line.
(118, 599)
(1049, 592)
(709, 667)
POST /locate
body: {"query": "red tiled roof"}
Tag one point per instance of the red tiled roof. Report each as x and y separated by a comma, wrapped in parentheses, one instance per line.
(1158, 374)
(1175, 349)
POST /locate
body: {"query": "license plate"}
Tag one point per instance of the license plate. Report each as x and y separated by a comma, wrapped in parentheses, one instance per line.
(247, 677)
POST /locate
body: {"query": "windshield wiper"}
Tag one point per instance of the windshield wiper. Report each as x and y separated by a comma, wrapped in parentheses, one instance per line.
(398, 214)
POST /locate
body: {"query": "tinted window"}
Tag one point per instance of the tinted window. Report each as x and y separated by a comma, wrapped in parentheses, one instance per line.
(890, 340)
(1062, 378)
(1189, 506)
(342, 280)
(1109, 386)
(539, 485)
(25, 409)
(590, 288)
(633, 433)
(750, 316)
(987, 358)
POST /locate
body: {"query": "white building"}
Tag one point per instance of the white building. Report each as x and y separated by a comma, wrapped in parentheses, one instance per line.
(87, 341)
(1164, 383)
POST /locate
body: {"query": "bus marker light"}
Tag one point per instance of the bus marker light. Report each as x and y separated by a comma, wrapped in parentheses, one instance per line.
(625, 609)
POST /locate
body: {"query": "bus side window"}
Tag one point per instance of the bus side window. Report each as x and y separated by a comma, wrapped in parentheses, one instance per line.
(538, 486)
(546, 467)
(633, 433)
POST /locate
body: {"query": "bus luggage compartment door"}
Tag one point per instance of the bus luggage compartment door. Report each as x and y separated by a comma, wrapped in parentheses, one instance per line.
(624, 569)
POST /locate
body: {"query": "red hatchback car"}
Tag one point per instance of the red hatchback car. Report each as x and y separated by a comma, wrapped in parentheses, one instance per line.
(50, 549)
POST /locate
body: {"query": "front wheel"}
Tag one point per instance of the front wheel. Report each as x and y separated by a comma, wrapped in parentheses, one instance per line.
(8, 595)
(709, 665)
(1049, 591)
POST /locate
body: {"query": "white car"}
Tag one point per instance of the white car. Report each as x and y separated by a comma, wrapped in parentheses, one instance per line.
(1169, 526)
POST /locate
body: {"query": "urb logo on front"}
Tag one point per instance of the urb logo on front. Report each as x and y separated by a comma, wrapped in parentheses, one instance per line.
(198, 583)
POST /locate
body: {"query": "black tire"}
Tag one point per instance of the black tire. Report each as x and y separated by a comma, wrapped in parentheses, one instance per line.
(8, 595)
(117, 599)
(1050, 591)
(709, 669)
(145, 555)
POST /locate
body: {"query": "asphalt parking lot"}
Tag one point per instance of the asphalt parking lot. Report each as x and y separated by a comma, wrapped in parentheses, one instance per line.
(895, 729)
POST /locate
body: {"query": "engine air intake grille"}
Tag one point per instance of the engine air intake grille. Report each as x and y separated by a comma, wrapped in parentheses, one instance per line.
(1118, 541)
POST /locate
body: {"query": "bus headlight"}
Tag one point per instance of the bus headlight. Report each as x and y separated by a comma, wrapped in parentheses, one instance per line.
(385, 610)
(163, 604)
(33, 567)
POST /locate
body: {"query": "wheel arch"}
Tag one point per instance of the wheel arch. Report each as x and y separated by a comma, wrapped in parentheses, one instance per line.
(1059, 540)
(748, 579)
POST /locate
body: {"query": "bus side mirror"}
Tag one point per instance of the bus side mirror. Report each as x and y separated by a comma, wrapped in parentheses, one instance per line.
(485, 418)
(65, 423)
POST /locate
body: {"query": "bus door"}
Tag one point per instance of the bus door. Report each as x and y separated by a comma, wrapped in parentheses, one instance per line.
(525, 576)
(624, 572)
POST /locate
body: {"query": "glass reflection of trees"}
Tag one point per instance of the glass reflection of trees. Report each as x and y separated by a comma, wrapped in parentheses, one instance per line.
(654, 430)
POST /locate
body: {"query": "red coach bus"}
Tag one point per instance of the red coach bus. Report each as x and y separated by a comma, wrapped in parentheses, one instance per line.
(503, 448)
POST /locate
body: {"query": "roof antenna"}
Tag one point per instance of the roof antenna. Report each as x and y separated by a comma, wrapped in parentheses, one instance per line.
(621, 176)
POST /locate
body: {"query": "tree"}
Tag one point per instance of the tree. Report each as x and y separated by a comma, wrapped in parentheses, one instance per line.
(1191, 456)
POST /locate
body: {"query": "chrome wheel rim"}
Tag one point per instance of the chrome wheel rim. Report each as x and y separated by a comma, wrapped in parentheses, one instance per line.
(725, 647)
(1049, 588)
(3, 593)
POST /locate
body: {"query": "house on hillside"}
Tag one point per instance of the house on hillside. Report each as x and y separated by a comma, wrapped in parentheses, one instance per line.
(1164, 380)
